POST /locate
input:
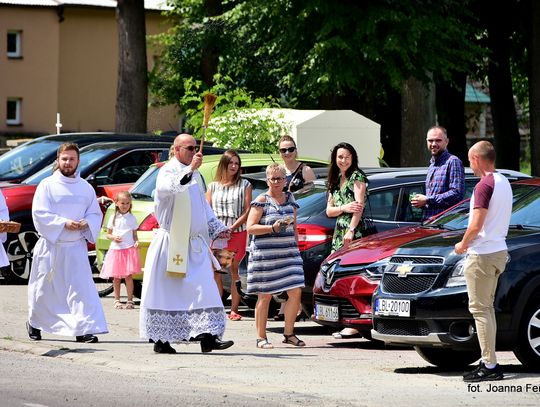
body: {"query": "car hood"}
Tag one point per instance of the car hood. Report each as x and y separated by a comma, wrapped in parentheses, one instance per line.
(381, 245)
(442, 244)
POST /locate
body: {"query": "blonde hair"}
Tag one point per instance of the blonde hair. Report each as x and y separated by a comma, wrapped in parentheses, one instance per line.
(118, 196)
(276, 167)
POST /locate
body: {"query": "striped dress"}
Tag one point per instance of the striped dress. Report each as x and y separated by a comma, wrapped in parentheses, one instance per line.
(228, 201)
(274, 262)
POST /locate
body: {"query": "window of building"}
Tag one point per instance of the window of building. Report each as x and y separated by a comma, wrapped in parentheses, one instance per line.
(13, 110)
(14, 44)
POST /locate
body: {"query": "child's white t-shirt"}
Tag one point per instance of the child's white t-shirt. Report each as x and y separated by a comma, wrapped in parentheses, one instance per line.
(124, 225)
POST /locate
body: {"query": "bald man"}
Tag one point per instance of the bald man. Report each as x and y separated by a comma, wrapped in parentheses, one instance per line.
(484, 242)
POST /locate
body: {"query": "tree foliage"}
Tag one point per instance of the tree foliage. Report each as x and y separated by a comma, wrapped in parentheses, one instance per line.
(306, 52)
(239, 121)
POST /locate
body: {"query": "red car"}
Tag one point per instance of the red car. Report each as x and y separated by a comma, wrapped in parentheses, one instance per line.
(347, 278)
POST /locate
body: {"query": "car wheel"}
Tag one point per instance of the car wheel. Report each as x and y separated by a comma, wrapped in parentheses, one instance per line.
(104, 286)
(528, 349)
(448, 358)
(20, 249)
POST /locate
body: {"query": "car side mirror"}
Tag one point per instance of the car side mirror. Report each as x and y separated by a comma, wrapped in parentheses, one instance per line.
(91, 179)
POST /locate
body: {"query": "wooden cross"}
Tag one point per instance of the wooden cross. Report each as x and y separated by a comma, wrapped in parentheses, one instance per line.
(178, 259)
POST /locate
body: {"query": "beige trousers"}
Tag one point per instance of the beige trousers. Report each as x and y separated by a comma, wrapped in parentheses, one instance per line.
(482, 272)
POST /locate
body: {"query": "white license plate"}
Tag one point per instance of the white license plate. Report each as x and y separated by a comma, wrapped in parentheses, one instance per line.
(326, 313)
(392, 308)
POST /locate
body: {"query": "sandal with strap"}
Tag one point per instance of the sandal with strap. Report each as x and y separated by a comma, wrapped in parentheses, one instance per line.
(292, 339)
(118, 304)
(264, 344)
(130, 305)
(234, 316)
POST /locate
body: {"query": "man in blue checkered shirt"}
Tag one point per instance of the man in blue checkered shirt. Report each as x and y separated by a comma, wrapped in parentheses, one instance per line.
(445, 181)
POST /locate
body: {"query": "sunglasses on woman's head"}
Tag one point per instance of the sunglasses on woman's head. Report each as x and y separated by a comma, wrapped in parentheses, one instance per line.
(287, 150)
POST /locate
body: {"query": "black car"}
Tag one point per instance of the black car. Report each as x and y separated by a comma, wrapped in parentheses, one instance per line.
(26, 159)
(388, 207)
(422, 298)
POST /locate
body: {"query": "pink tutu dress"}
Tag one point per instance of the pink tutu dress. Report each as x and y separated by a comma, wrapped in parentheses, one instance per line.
(122, 259)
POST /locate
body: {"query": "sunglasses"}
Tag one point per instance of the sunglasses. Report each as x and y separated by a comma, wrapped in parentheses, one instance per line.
(191, 148)
(287, 150)
(276, 179)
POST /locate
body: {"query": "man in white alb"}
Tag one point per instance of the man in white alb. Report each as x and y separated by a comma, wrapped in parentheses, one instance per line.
(180, 299)
(62, 297)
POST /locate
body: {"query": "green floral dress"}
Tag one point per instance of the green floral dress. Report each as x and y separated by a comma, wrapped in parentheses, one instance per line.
(341, 197)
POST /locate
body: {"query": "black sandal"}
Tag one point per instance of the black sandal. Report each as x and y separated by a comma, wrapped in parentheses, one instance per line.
(293, 340)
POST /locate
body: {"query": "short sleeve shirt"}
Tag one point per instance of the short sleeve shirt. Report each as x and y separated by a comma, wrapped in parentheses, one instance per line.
(123, 226)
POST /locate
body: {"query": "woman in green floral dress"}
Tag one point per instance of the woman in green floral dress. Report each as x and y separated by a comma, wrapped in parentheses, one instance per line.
(347, 187)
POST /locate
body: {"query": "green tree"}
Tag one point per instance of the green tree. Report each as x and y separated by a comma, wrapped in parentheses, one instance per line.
(328, 54)
(239, 121)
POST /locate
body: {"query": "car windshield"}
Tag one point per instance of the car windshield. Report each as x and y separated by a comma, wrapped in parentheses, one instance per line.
(21, 161)
(144, 187)
(525, 212)
(88, 156)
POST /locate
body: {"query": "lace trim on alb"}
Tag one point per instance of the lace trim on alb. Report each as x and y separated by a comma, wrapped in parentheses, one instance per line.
(179, 326)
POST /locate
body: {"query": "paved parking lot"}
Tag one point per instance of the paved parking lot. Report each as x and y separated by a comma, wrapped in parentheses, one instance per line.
(327, 372)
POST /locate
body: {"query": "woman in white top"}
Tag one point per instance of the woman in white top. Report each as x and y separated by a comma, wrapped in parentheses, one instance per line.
(230, 197)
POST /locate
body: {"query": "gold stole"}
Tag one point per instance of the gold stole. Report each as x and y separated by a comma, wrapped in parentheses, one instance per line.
(177, 261)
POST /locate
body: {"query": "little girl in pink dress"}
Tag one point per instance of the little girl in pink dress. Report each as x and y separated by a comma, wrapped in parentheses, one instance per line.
(122, 259)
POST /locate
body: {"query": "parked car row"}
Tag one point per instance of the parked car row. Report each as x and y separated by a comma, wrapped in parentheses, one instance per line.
(109, 161)
(406, 286)
(422, 298)
(143, 206)
(388, 208)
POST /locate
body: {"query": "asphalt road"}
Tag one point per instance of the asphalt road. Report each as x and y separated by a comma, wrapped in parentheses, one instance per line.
(122, 370)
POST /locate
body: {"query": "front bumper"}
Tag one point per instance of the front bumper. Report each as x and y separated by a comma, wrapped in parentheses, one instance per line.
(439, 318)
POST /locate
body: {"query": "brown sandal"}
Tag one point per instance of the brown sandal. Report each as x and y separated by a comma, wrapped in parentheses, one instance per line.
(292, 339)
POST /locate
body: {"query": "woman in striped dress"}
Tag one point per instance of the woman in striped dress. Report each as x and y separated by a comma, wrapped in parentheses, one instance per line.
(229, 196)
(274, 263)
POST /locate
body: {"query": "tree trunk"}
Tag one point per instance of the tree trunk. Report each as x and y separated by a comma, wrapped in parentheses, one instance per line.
(210, 50)
(534, 86)
(417, 116)
(503, 110)
(451, 113)
(132, 89)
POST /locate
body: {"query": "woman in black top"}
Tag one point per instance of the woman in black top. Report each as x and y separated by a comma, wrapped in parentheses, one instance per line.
(298, 174)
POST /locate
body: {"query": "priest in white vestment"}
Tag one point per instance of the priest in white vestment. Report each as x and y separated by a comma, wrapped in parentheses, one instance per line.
(178, 307)
(62, 297)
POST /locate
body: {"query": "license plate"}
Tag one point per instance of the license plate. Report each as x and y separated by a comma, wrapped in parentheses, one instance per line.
(392, 308)
(326, 313)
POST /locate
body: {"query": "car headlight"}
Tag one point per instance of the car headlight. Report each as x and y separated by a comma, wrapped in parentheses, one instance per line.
(375, 270)
(457, 278)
